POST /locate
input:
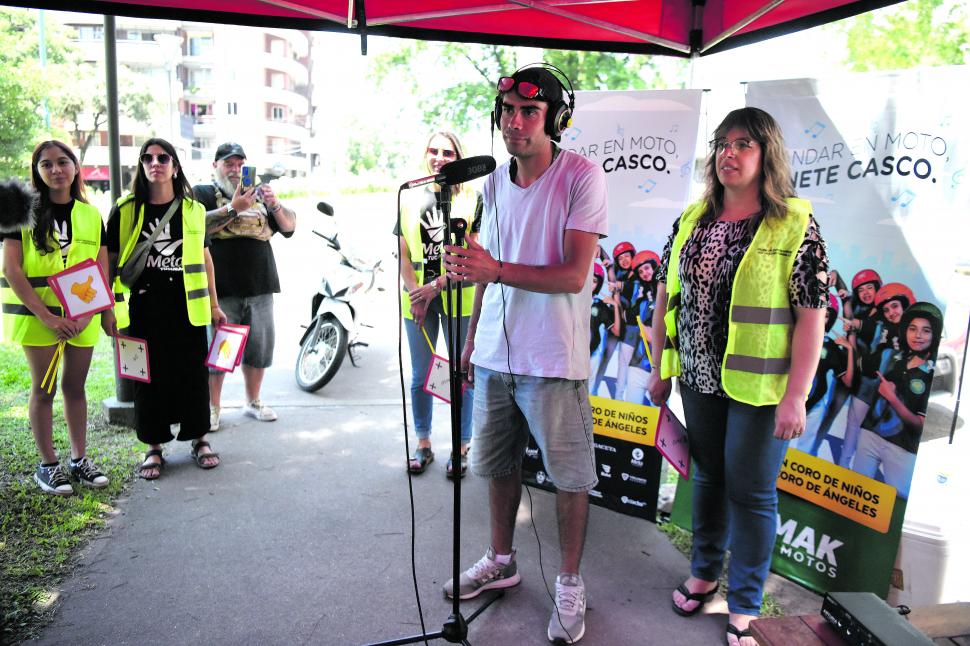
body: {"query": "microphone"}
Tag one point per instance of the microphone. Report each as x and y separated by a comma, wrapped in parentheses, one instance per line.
(457, 172)
(17, 205)
(324, 208)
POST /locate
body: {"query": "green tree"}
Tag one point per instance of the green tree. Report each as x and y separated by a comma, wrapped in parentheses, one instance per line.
(461, 90)
(82, 103)
(911, 34)
(24, 85)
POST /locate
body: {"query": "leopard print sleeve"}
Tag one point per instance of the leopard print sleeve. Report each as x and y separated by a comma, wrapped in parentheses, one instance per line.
(661, 276)
(808, 286)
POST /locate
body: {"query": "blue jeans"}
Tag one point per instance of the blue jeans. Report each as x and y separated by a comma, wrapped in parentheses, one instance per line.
(421, 401)
(736, 460)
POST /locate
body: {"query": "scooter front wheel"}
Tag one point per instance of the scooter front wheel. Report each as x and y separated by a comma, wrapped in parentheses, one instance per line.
(321, 354)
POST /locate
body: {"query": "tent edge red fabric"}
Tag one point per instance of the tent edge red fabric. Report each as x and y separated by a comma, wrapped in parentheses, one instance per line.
(135, 9)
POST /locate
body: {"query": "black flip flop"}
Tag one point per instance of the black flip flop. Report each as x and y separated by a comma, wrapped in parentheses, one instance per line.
(739, 634)
(701, 597)
(423, 456)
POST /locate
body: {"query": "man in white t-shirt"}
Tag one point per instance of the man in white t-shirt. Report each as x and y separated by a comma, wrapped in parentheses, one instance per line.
(527, 349)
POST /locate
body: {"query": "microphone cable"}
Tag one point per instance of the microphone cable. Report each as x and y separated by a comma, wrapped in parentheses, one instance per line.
(404, 416)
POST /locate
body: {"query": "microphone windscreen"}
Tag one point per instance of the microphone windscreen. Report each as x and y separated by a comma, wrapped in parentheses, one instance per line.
(17, 204)
(467, 169)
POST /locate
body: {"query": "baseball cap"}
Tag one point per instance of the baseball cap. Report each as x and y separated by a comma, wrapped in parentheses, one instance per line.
(229, 149)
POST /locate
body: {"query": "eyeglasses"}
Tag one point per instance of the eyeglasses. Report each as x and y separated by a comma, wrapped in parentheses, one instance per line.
(148, 158)
(447, 154)
(737, 146)
(524, 89)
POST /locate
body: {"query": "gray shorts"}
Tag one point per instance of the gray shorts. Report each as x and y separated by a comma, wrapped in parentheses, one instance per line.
(257, 313)
(556, 411)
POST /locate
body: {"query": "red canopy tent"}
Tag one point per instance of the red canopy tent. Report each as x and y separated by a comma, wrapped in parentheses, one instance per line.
(672, 27)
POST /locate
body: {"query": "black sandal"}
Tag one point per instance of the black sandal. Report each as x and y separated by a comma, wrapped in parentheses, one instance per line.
(702, 597)
(423, 456)
(739, 634)
(146, 465)
(450, 470)
(199, 457)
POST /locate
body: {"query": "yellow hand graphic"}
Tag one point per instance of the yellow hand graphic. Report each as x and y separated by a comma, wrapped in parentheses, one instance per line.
(84, 291)
(225, 349)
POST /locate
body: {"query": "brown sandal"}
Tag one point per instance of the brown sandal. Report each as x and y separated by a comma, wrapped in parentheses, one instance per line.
(148, 466)
(199, 457)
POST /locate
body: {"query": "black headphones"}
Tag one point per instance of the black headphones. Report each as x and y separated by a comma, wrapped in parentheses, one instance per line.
(559, 116)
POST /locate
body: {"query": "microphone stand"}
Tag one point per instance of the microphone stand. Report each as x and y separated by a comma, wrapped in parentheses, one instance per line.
(455, 628)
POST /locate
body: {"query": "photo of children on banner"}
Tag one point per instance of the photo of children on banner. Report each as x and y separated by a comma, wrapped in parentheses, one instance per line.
(131, 359)
(438, 381)
(881, 361)
(672, 442)
(226, 350)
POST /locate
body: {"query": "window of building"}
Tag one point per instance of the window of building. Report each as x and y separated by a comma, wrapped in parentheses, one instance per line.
(276, 145)
(201, 112)
(232, 107)
(277, 46)
(200, 45)
(126, 140)
(90, 32)
(277, 80)
(200, 78)
(278, 113)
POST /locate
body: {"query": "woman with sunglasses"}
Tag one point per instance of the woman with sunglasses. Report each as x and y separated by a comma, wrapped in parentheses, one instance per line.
(741, 299)
(169, 303)
(421, 231)
(67, 230)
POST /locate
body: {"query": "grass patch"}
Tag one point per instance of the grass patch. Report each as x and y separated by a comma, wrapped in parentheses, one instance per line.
(681, 539)
(40, 533)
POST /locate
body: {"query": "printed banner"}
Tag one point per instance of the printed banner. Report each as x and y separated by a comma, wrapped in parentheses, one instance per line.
(882, 158)
(645, 142)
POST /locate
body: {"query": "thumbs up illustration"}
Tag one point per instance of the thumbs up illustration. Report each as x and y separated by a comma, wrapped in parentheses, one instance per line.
(84, 291)
(225, 349)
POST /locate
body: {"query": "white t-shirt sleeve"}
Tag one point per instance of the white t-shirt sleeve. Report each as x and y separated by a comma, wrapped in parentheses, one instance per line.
(588, 203)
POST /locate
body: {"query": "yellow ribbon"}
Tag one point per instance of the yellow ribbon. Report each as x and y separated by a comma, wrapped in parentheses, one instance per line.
(50, 377)
(430, 345)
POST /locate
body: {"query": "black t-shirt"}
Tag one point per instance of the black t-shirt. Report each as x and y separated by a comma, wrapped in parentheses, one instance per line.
(834, 359)
(61, 220)
(163, 270)
(243, 266)
(600, 314)
(913, 390)
(433, 231)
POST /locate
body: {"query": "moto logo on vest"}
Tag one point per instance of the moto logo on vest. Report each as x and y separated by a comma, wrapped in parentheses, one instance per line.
(802, 547)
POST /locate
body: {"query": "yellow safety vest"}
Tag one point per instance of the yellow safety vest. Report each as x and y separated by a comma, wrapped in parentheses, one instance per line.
(758, 354)
(463, 207)
(19, 323)
(193, 259)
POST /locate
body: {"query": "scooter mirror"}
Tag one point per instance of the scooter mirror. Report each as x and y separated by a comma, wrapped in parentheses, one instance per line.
(324, 208)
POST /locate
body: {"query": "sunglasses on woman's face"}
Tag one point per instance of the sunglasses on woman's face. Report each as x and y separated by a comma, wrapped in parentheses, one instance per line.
(447, 154)
(524, 89)
(148, 158)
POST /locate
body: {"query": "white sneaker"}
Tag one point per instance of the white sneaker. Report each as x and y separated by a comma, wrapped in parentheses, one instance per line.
(260, 411)
(214, 418)
(568, 624)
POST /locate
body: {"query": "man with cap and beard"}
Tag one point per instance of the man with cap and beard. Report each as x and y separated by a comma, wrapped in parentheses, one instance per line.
(240, 223)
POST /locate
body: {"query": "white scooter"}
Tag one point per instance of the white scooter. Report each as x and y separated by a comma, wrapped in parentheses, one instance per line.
(334, 329)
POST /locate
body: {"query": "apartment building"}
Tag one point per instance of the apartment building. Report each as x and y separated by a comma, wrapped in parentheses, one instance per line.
(214, 83)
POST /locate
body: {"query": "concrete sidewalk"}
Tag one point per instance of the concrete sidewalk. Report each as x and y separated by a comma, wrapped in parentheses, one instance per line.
(302, 536)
